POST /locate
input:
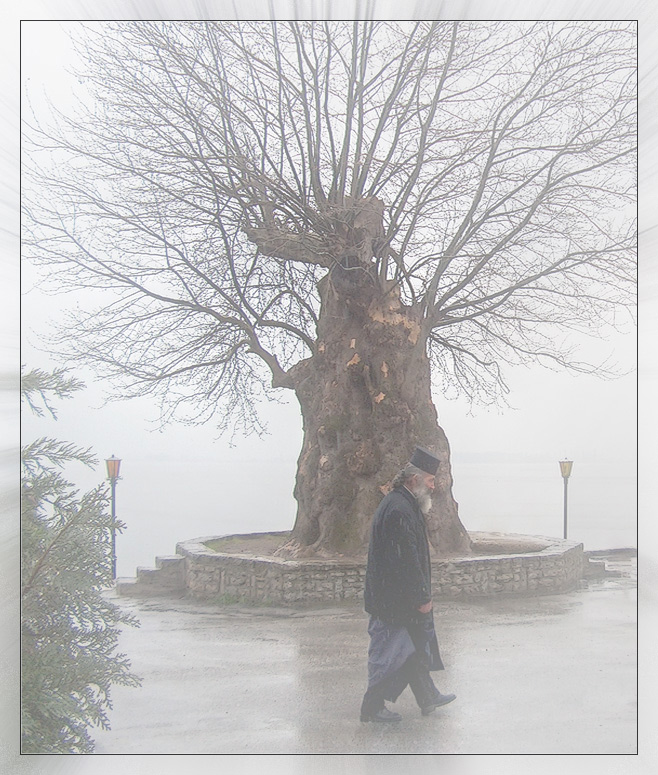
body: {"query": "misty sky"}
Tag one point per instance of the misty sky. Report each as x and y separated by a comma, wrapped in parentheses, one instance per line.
(175, 483)
(183, 482)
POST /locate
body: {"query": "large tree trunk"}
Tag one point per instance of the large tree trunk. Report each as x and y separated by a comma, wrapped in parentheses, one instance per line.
(366, 403)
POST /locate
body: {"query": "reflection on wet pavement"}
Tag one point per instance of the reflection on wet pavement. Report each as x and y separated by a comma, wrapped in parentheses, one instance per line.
(531, 674)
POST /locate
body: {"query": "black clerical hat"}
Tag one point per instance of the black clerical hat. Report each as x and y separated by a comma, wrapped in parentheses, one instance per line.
(425, 460)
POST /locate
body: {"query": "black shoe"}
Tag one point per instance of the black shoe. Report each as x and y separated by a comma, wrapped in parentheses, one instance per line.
(385, 715)
(442, 699)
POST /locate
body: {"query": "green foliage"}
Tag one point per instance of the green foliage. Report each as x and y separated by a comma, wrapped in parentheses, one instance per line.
(69, 630)
(42, 384)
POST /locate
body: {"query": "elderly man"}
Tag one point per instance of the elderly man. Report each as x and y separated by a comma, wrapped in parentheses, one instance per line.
(403, 646)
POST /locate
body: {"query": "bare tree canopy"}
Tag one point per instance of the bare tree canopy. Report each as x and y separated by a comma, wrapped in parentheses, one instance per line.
(305, 205)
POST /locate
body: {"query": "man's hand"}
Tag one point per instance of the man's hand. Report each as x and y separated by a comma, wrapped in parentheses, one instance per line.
(425, 609)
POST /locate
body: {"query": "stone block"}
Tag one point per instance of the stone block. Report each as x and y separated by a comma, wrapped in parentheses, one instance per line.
(200, 571)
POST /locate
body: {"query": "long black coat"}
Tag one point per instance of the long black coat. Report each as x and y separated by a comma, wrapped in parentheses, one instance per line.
(398, 574)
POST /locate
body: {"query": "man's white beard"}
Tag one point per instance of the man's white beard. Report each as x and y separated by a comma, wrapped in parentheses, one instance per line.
(423, 496)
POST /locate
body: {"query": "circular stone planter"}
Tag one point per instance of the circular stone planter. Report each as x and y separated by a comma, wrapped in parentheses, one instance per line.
(224, 568)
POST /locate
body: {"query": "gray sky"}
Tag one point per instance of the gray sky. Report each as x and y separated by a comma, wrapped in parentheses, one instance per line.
(504, 464)
(184, 482)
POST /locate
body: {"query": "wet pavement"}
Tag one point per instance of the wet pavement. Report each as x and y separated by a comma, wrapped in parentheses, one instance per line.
(533, 675)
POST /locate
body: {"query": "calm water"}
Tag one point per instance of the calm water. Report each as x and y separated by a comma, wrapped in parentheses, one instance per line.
(185, 483)
(525, 498)
(529, 498)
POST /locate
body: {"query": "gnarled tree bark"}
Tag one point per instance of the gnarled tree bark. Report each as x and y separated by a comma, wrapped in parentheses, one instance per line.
(331, 207)
(365, 398)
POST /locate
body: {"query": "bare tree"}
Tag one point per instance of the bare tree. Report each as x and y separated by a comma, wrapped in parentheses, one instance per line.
(345, 210)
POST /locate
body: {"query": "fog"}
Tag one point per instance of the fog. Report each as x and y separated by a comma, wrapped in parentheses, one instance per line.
(181, 482)
(184, 482)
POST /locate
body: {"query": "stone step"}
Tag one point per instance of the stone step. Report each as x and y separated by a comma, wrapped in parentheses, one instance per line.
(149, 576)
(170, 561)
(171, 567)
(594, 568)
(128, 587)
(167, 578)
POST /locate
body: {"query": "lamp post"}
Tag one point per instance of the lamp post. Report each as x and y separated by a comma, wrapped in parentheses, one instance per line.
(565, 470)
(113, 466)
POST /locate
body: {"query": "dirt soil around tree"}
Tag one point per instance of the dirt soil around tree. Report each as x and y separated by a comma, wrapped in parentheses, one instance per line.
(265, 544)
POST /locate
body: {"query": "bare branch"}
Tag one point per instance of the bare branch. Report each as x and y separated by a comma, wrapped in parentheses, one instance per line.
(481, 173)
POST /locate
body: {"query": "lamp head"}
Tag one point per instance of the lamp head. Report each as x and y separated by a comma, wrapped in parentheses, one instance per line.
(565, 468)
(113, 466)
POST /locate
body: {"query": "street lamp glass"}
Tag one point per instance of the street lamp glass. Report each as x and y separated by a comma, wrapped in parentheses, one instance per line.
(113, 465)
(565, 468)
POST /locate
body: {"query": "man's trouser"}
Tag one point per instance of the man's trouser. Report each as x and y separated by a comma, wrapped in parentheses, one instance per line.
(414, 674)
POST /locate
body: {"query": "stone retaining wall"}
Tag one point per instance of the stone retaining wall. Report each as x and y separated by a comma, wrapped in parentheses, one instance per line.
(238, 577)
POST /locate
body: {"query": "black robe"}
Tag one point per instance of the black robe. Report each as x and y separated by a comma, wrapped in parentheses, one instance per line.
(399, 572)
(398, 582)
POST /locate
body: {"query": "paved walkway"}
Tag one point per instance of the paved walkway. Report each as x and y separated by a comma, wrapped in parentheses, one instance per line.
(540, 675)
